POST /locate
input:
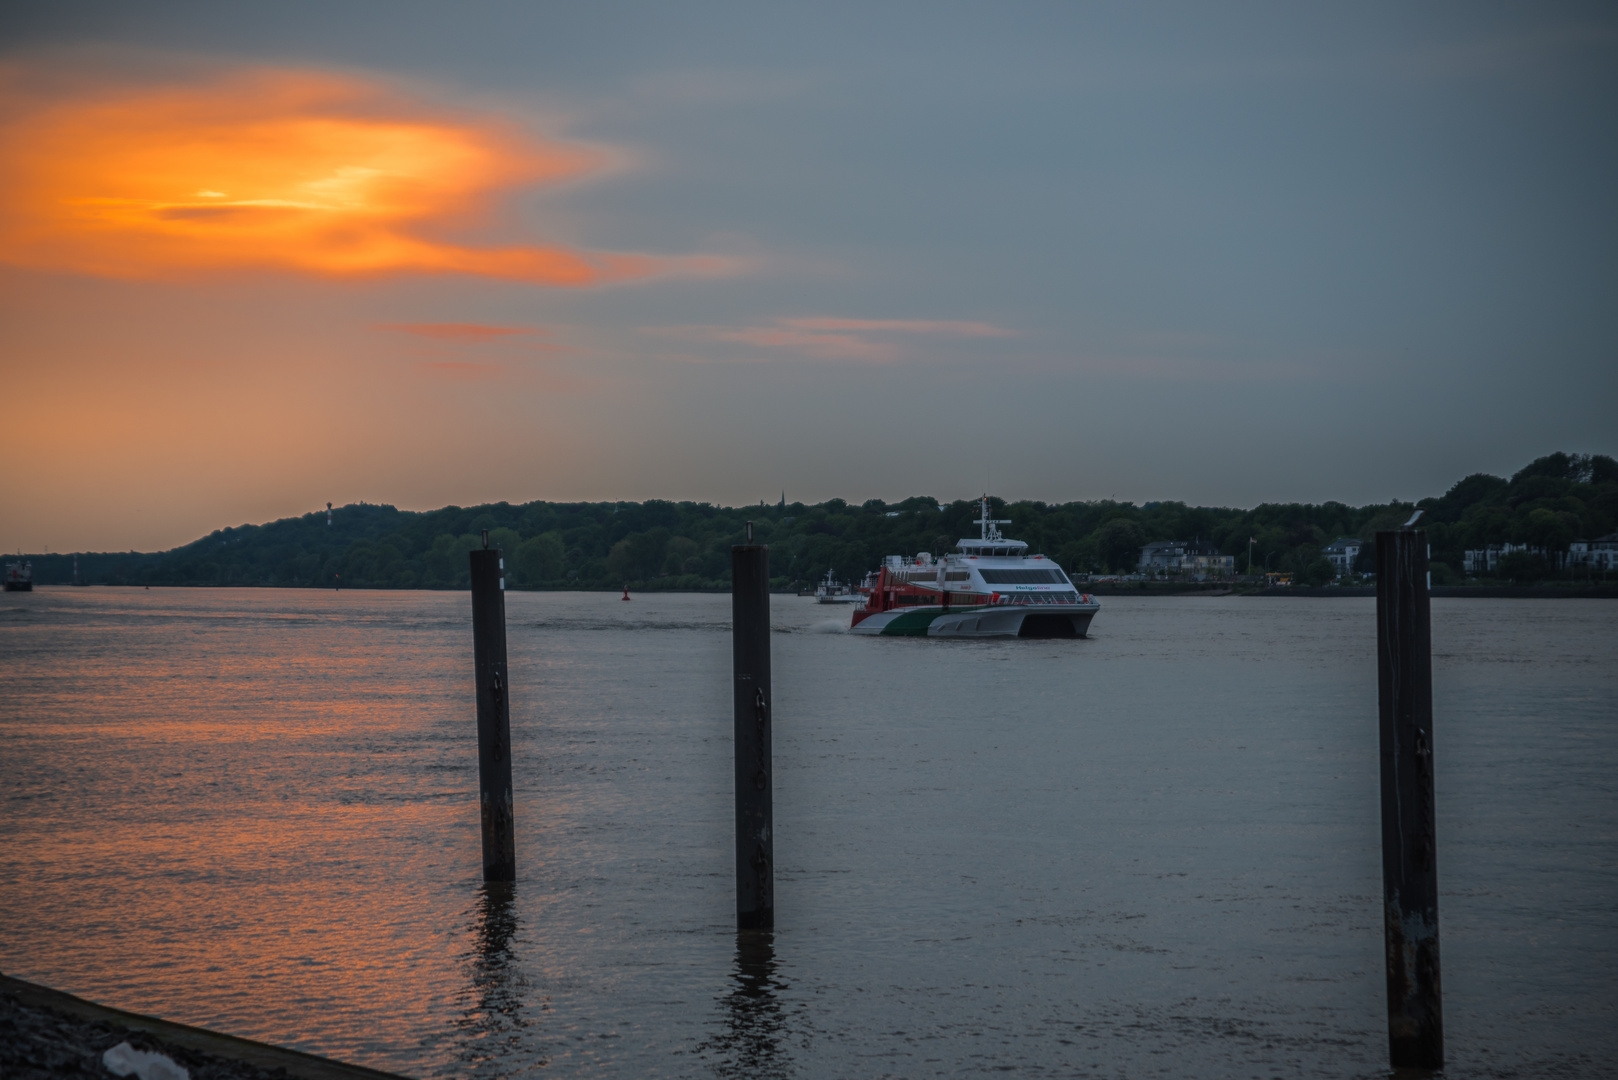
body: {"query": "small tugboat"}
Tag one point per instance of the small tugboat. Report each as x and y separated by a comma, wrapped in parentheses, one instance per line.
(20, 577)
(832, 591)
(987, 587)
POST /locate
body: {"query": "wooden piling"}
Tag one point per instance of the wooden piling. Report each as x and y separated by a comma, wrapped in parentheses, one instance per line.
(1409, 836)
(750, 650)
(494, 714)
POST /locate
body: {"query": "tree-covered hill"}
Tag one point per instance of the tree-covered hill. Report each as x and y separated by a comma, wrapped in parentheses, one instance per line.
(684, 545)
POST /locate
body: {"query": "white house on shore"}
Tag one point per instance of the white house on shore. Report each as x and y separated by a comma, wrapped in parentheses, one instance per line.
(1199, 558)
(1342, 552)
(1161, 555)
(1598, 554)
(1483, 561)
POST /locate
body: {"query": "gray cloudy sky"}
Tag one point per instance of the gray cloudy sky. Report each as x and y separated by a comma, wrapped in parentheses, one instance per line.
(1220, 253)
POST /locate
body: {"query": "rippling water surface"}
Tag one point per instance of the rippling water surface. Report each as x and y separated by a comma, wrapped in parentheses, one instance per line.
(1148, 853)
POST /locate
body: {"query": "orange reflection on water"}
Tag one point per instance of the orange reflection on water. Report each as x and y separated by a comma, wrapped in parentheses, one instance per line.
(282, 169)
(241, 813)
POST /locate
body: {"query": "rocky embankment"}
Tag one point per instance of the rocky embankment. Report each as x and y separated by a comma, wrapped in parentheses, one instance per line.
(46, 1033)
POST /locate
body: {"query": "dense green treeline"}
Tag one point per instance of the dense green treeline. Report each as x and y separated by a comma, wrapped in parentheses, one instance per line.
(669, 545)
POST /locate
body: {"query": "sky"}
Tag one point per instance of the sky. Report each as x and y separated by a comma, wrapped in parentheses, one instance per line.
(259, 257)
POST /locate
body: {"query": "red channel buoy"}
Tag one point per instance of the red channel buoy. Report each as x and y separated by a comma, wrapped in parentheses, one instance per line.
(626, 592)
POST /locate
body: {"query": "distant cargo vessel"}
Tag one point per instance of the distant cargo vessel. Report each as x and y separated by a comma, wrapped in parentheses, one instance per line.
(988, 587)
(20, 577)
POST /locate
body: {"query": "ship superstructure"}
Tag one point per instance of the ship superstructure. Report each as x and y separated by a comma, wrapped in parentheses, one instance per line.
(987, 587)
(832, 591)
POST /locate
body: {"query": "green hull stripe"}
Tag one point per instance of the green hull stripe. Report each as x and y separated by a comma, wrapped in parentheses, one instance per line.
(914, 623)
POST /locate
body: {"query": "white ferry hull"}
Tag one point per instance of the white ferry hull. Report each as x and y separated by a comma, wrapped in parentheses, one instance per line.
(994, 621)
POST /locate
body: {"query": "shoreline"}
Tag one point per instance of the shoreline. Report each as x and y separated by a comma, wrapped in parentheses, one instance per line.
(1213, 588)
(48, 1032)
(1464, 592)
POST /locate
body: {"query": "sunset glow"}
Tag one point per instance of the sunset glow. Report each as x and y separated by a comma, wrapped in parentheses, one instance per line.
(254, 258)
(467, 332)
(278, 169)
(869, 341)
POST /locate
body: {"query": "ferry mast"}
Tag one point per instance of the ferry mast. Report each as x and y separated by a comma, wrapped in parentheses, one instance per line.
(989, 527)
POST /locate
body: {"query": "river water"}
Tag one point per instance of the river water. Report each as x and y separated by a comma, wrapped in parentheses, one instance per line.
(1152, 852)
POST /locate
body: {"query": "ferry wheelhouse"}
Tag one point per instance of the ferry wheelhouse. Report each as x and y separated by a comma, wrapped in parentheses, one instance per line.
(987, 587)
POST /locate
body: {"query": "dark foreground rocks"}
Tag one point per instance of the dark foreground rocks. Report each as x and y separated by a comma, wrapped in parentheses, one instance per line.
(46, 1033)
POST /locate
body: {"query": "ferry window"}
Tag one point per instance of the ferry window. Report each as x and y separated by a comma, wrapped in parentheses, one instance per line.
(1024, 577)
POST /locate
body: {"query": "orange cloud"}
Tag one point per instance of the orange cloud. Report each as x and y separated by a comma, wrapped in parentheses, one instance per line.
(836, 339)
(914, 326)
(274, 169)
(825, 346)
(471, 332)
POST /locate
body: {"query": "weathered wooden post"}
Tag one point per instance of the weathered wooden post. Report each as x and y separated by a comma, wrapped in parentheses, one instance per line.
(750, 652)
(1409, 837)
(494, 713)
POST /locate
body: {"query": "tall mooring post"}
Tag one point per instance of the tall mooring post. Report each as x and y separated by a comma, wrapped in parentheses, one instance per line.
(494, 713)
(755, 817)
(1409, 837)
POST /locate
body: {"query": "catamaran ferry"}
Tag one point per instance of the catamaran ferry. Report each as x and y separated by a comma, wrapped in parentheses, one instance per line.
(988, 587)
